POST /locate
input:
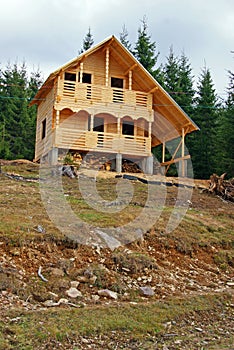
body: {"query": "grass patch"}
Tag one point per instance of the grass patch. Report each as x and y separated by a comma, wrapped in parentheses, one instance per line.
(36, 328)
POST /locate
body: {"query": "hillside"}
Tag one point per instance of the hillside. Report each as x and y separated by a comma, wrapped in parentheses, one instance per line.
(168, 290)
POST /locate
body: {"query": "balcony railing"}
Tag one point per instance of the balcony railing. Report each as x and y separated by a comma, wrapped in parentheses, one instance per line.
(89, 94)
(102, 142)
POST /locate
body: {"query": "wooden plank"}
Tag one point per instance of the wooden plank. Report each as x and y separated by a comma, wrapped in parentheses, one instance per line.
(176, 160)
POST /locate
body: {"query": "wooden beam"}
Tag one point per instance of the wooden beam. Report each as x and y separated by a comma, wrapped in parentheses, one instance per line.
(107, 65)
(131, 68)
(152, 90)
(176, 160)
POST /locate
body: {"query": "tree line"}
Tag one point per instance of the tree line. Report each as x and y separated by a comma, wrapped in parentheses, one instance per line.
(211, 148)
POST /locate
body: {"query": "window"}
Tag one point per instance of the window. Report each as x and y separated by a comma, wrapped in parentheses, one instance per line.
(70, 76)
(86, 78)
(117, 83)
(43, 129)
(98, 124)
(128, 128)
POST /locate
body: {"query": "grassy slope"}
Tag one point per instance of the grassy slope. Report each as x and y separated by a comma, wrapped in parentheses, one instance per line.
(205, 234)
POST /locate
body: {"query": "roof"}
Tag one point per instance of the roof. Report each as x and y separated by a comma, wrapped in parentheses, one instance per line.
(169, 115)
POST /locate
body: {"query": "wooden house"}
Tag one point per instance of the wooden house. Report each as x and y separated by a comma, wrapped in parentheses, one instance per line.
(104, 101)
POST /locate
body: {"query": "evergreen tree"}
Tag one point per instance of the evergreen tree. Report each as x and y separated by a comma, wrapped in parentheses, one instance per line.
(171, 74)
(17, 120)
(123, 36)
(87, 42)
(185, 94)
(145, 50)
(203, 143)
(225, 134)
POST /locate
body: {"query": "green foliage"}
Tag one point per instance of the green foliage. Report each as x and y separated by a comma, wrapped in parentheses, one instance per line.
(202, 145)
(123, 36)
(87, 42)
(145, 49)
(225, 134)
(17, 120)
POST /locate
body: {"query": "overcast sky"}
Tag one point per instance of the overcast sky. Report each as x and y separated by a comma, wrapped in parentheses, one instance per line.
(48, 33)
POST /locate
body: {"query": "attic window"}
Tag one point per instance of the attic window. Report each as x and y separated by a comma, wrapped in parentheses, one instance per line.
(86, 78)
(117, 82)
(70, 76)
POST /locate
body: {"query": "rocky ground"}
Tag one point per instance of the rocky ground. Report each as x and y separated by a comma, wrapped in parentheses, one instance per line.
(42, 270)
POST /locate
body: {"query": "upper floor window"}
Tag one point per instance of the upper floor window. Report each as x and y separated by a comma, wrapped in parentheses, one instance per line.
(117, 82)
(86, 78)
(70, 76)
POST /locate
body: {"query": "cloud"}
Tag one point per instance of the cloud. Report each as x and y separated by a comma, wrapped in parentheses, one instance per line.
(50, 33)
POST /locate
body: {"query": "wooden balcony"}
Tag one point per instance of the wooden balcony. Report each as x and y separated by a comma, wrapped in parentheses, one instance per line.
(76, 95)
(101, 142)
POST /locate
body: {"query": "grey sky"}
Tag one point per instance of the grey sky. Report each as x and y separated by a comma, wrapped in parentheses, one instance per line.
(49, 33)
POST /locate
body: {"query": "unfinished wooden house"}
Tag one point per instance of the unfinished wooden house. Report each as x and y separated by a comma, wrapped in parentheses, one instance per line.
(104, 101)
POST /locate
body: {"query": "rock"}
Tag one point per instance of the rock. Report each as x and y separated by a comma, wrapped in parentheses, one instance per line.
(73, 293)
(108, 293)
(74, 284)
(146, 291)
(95, 297)
(57, 272)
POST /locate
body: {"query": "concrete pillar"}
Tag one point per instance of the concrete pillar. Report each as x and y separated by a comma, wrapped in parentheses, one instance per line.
(119, 162)
(53, 156)
(149, 166)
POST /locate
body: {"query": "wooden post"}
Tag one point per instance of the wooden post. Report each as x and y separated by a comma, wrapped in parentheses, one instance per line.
(81, 71)
(130, 80)
(107, 65)
(118, 125)
(57, 119)
(163, 151)
(91, 122)
(149, 136)
(182, 155)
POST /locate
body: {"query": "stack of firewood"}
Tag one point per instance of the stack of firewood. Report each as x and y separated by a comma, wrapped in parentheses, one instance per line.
(221, 187)
(129, 167)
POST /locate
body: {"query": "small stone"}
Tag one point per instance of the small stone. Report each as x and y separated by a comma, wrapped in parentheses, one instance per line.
(230, 284)
(108, 293)
(73, 293)
(95, 297)
(57, 272)
(75, 284)
(198, 329)
(146, 291)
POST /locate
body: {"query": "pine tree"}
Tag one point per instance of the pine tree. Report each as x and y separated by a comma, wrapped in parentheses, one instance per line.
(145, 50)
(203, 144)
(123, 36)
(17, 131)
(87, 42)
(186, 92)
(171, 74)
(225, 134)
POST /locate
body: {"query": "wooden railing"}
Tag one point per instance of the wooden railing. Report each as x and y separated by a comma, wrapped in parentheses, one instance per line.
(90, 93)
(103, 142)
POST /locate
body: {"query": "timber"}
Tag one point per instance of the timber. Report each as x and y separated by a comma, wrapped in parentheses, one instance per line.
(105, 101)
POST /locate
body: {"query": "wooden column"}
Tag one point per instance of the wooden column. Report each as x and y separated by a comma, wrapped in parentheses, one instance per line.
(57, 119)
(81, 72)
(149, 131)
(182, 155)
(107, 65)
(91, 122)
(130, 80)
(118, 125)
(163, 151)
